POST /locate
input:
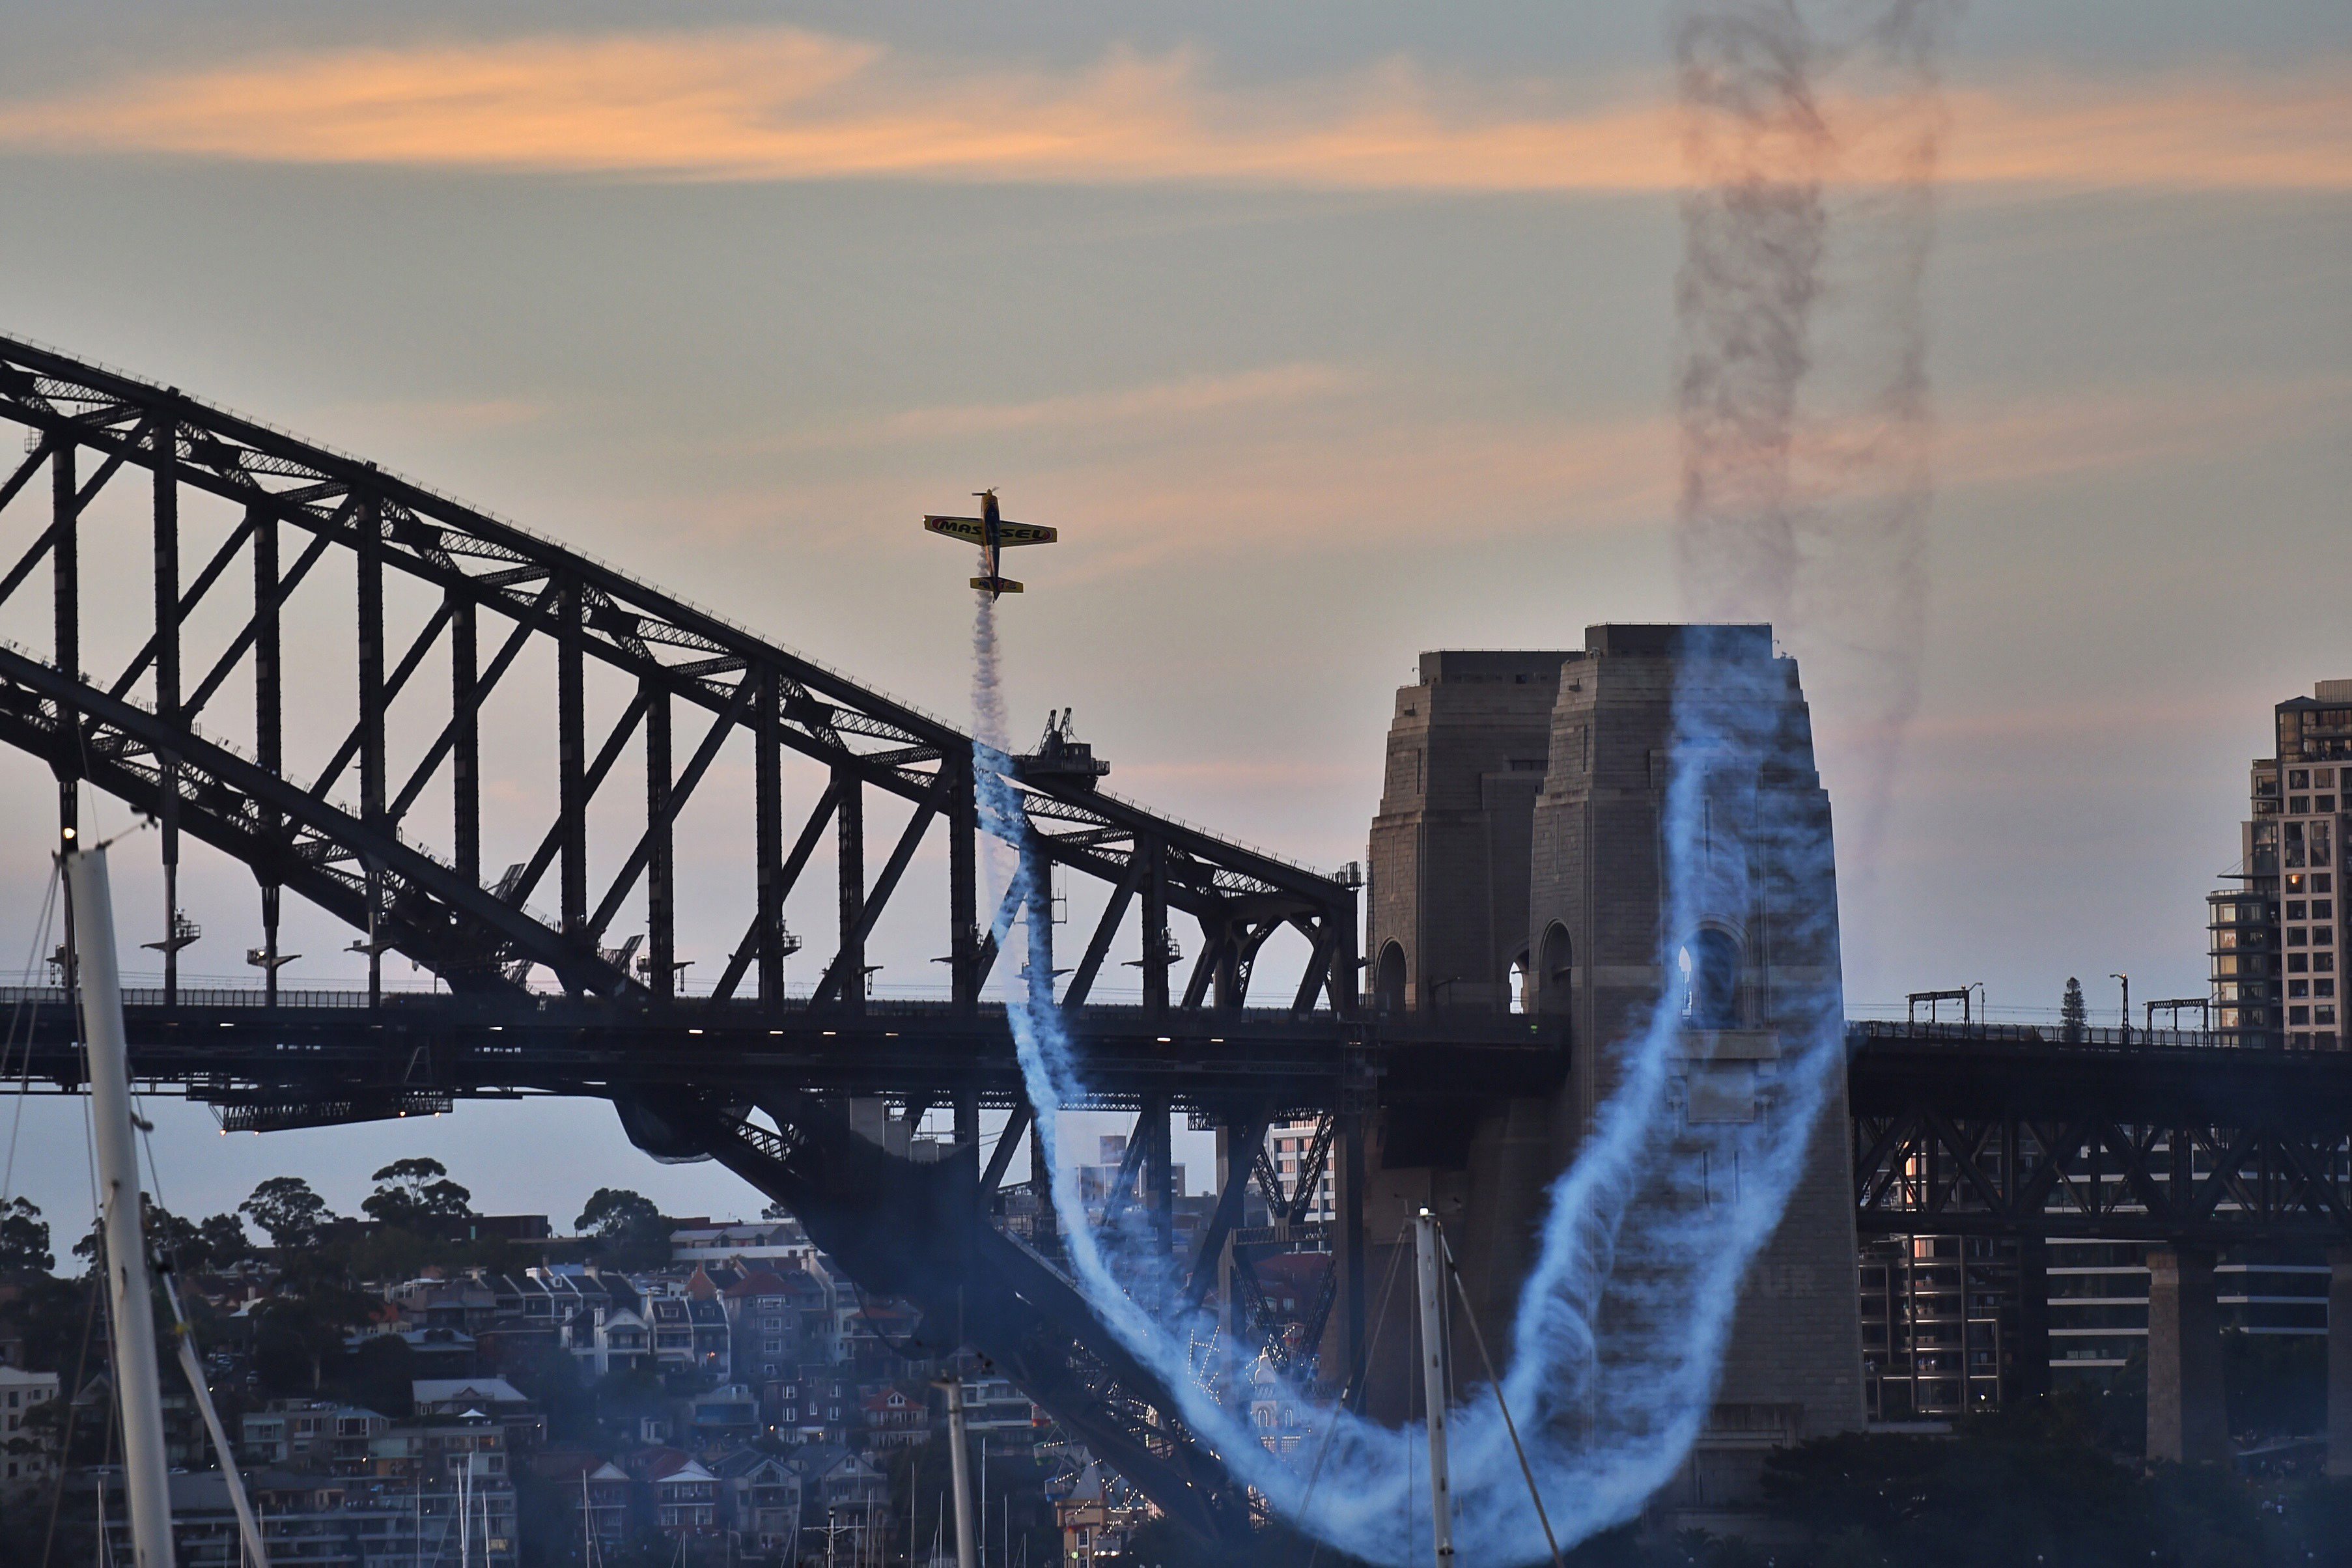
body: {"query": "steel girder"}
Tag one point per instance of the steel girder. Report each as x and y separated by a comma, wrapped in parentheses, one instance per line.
(675, 653)
(1926, 1173)
(1989, 1134)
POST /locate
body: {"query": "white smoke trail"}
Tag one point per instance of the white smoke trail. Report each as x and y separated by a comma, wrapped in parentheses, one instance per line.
(1622, 1321)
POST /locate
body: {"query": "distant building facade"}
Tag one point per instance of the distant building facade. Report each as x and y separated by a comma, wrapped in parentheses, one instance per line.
(2280, 953)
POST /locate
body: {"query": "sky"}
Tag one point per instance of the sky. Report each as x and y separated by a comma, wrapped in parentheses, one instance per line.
(1325, 334)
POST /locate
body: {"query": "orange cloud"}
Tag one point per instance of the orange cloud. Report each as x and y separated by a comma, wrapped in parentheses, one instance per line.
(780, 103)
(1307, 457)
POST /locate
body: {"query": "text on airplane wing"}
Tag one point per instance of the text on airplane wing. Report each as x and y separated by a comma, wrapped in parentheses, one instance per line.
(1024, 533)
(970, 528)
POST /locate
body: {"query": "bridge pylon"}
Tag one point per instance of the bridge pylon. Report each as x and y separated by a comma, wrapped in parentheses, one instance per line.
(1517, 868)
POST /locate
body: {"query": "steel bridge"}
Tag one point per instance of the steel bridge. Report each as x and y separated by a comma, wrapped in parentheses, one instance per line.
(1954, 1131)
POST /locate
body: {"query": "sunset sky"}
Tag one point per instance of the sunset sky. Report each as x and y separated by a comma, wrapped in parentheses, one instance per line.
(1324, 333)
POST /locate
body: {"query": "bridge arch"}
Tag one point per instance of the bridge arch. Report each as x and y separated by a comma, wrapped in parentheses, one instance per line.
(1555, 973)
(1388, 979)
(483, 592)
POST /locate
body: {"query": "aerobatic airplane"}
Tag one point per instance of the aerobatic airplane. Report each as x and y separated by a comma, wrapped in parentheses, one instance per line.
(991, 533)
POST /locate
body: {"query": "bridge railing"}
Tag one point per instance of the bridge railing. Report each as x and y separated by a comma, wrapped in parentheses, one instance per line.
(1863, 1030)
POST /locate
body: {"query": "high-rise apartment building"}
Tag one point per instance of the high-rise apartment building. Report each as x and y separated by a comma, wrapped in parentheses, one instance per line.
(2279, 950)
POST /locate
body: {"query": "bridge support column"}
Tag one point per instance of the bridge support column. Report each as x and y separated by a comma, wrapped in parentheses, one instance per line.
(661, 859)
(1048, 1235)
(2187, 1422)
(2339, 1360)
(1155, 925)
(1156, 1174)
(2032, 1354)
(167, 699)
(65, 561)
(849, 826)
(1346, 1333)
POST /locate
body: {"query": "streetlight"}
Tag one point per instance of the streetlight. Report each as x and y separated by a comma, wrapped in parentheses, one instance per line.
(2126, 981)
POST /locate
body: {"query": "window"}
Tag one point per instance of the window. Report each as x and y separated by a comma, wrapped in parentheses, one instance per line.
(1709, 963)
(2298, 1015)
(2323, 936)
(2323, 988)
(2323, 908)
(2325, 803)
(2298, 805)
(2323, 1015)
(2298, 936)
(2323, 962)
(2294, 909)
(2298, 987)
(2298, 778)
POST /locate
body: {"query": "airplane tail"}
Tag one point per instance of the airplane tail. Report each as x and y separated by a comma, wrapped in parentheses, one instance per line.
(998, 586)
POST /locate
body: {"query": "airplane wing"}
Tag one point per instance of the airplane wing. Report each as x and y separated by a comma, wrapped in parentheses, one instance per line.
(966, 528)
(1024, 533)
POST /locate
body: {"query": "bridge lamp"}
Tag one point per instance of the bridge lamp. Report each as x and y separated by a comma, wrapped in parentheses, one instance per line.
(68, 834)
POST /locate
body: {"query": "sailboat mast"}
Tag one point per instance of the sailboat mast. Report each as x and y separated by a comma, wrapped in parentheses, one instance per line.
(136, 1377)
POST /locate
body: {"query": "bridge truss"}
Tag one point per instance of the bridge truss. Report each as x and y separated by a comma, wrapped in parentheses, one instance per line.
(1961, 1131)
(557, 1002)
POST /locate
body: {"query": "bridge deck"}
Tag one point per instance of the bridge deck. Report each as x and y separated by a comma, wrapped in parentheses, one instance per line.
(226, 1046)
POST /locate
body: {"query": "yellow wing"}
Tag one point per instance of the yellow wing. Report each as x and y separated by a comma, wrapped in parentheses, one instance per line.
(965, 528)
(1010, 534)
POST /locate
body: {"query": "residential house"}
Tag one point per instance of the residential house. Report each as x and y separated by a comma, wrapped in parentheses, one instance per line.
(316, 1435)
(1001, 1415)
(443, 1352)
(780, 1317)
(776, 1244)
(26, 1454)
(842, 1493)
(761, 1502)
(814, 1402)
(686, 1497)
(526, 1426)
(1096, 1515)
(596, 1491)
(729, 1413)
(895, 1417)
(309, 1520)
(689, 1335)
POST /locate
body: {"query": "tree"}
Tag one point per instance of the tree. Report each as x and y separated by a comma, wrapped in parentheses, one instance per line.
(287, 1208)
(23, 1238)
(629, 1230)
(381, 1375)
(169, 1236)
(223, 1242)
(411, 1191)
(2072, 1013)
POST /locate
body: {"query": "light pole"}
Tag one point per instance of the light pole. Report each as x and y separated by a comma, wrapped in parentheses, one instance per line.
(2127, 983)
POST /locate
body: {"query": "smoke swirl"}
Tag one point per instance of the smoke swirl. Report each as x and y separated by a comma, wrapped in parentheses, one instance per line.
(1801, 389)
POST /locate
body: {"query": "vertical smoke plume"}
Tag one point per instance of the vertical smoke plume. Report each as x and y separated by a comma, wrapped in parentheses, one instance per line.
(1811, 137)
(1804, 485)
